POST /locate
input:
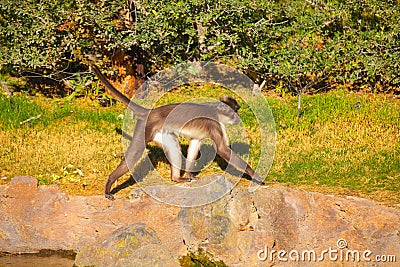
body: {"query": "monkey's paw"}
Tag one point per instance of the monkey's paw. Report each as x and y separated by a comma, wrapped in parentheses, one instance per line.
(109, 196)
(181, 180)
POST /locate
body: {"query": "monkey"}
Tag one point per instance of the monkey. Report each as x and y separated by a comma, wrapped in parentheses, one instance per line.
(164, 124)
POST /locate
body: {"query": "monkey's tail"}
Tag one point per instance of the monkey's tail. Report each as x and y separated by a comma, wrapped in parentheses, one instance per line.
(139, 110)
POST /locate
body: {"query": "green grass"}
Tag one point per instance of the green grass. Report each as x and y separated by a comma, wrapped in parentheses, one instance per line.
(12, 116)
(333, 148)
(68, 139)
(336, 145)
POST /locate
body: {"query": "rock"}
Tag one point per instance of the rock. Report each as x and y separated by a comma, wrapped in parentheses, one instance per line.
(271, 226)
(246, 229)
(35, 219)
(132, 245)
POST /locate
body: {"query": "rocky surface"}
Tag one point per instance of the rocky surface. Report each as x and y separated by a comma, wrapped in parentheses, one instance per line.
(271, 226)
(132, 245)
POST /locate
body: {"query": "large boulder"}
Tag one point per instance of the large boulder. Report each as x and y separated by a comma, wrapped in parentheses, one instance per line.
(271, 226)
(132, 245)
(38, 218)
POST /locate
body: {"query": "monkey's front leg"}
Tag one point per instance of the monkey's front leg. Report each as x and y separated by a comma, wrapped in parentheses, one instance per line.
(193, 151)
(232, 158)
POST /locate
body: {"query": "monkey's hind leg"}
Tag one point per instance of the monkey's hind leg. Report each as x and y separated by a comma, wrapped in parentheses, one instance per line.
(118, 172)
(132, 156)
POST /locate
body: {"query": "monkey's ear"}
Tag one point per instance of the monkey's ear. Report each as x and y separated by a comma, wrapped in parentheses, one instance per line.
(230, 101)
(224, 98)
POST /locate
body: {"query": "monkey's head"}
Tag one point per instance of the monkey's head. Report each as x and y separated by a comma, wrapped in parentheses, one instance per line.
(228, 108)
(230, 101)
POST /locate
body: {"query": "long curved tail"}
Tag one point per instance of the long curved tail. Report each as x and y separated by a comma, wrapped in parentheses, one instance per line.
(139, 110)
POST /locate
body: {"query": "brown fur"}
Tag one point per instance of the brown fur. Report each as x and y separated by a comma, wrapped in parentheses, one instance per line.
(163, 125)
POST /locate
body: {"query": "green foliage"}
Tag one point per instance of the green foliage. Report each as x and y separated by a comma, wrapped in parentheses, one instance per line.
(297, 44)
